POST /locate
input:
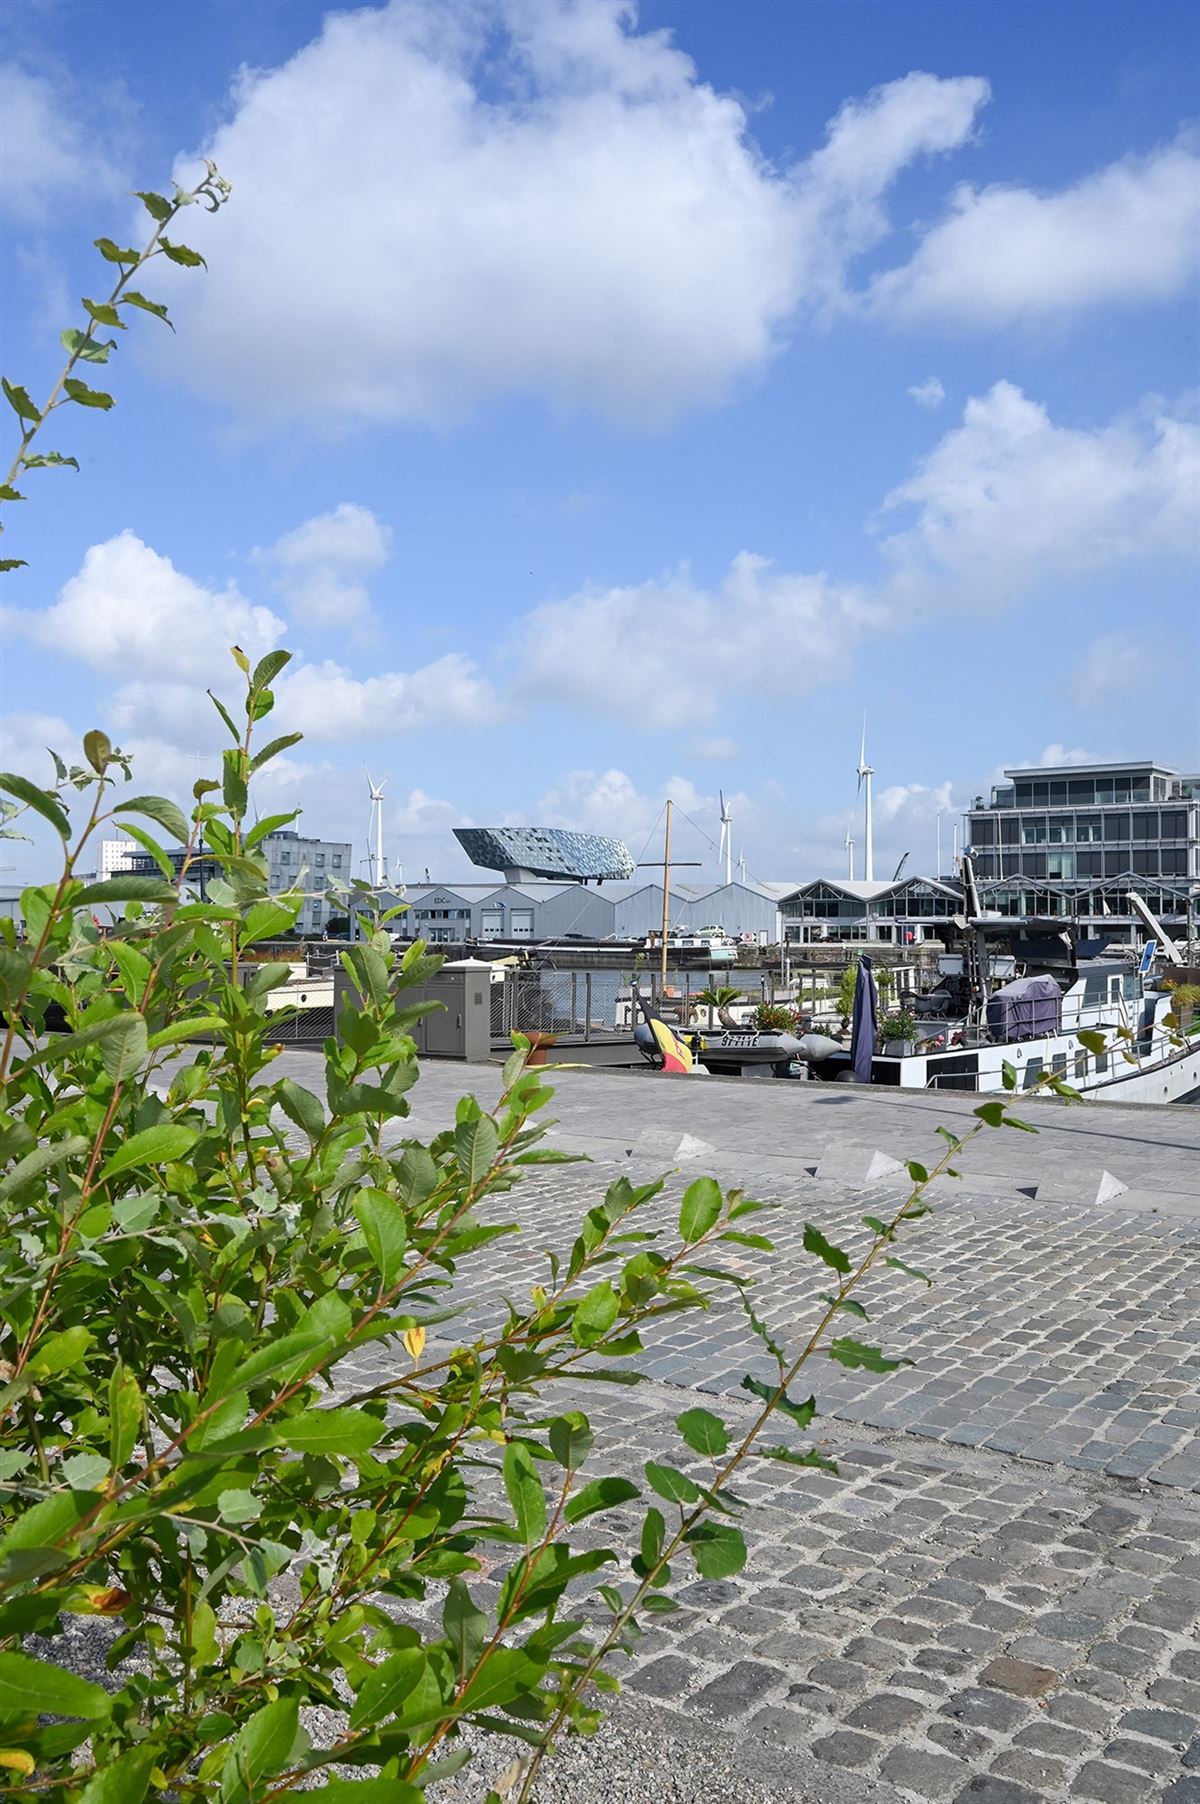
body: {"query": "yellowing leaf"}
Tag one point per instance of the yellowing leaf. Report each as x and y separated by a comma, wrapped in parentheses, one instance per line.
(17, 1760)
(414, 1343)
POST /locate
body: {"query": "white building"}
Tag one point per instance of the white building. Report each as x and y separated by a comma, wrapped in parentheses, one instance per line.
(117, 855)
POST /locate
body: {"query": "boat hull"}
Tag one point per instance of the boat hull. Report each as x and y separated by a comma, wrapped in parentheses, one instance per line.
(1172, 1076)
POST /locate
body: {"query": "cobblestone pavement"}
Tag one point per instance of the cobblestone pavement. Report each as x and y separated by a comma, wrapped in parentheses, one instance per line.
(996, 1600)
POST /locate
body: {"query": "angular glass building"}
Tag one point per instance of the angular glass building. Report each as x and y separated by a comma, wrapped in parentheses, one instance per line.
(524, 852)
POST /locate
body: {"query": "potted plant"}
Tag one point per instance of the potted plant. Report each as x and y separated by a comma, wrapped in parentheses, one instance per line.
(718, 997)
(897, 1033)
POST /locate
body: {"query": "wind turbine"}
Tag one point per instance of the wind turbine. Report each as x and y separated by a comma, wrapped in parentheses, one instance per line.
(849, 853)
(742, 866)
(865, 773)
(725, 853)
(376, 863)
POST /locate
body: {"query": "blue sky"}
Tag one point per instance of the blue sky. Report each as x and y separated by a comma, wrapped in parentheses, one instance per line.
(609, 405)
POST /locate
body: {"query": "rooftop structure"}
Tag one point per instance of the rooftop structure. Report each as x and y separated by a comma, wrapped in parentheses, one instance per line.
(524, 852)
(1075, 839)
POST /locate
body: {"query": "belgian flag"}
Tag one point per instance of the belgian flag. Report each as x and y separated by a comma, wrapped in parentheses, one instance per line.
(675, 1055)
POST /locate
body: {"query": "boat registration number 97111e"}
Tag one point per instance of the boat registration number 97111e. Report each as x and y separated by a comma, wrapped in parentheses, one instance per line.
(728, 1040)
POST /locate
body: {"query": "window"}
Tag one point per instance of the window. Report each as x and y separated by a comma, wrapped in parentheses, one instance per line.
(1082, 789)
(1174, 823)
(1145, 823)
(1087, 828)
(1008, 831)
(285, 858)
(1060, 864)
(320, 861)
(337, 861)
(1116, 826)
(1033, 1074)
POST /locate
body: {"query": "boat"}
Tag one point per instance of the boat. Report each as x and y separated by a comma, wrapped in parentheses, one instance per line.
(699, 947)
(1034, 996)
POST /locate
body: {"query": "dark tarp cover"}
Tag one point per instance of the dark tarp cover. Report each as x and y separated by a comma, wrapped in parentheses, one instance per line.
(1025, 1009)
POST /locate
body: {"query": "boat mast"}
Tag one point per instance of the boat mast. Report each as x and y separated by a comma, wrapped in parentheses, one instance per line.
(666, 914)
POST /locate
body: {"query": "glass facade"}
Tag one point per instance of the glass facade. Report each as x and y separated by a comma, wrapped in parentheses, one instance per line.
(1096, 831)
(547, 852)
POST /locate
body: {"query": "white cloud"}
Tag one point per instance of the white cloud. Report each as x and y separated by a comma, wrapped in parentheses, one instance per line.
(49, 154)
(1008, 502)
(718, 750)
(929, 394)
(26, 741)
(1112, 666)
(635, 651)
(458, 201)
(130, 612)
(1126, 233)
(320, 567)
(326, 702)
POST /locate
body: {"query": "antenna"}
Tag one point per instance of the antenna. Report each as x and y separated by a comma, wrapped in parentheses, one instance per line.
(725, 853)
(376, 862)
(865, 773)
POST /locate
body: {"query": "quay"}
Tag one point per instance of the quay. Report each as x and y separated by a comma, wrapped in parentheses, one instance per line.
(995, 1601)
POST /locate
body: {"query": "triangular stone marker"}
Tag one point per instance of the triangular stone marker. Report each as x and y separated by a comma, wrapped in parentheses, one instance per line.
(669, 1143)
(858, 1165)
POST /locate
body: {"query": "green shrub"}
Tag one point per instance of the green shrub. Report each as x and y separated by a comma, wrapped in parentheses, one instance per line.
(777, 1018)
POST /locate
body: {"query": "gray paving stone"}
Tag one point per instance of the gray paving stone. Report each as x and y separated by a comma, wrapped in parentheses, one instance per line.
(928, 1775)
(845, 1748)
(884, 1714)
(988, 1788)
(1145, 1756)
(1163, 1725)
(732, 1693)
(979, 1708)
(1185, 1790)
(1110, 1784)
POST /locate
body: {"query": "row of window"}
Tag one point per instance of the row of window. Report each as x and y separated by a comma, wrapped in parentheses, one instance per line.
(335, 860)
(1143, 861)
(1049, 792)
(1055, 902)
(1079, 829)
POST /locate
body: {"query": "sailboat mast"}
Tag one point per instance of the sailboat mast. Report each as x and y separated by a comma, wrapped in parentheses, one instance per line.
(666, 914)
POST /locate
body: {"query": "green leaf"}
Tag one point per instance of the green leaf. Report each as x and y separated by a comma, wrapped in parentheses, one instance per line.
(911, 1271)
(18, 399)
(41, 1159)
(14, 563)
(301, 1106)
(123, 1051)
(476, 1144)
(84, 346)
(40, 800)
(800, 1413)
(158, 808)
(157, 205)
(48, 460)
(153, 1146)
(916, 1171)
(238, 1505)
(267, 825)
(718, 1549)
(386, 1233)
(135, 299)
(181, 253)
(992, 1113)
(816, 1243)
(675, 1486)
(374, 1791)
(595, 1314)
(124, 1415)
(113, 253)
(570, 1438)
(382, 1693)
(263, 1747)
(700, 1209)
(854, 1354)
(126, 889)
(151, 845)
(600, 1494)
(525, 1493)
(35, 1687)
(812, 1456)
(466, 1627)
(268, 668)
(1008, 1075)
(125, 1781)
(59, 1352)
(703, 1432)
(8, 493)
(273, 748)
(103, 313)
(347, 1432)
(87, 397)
